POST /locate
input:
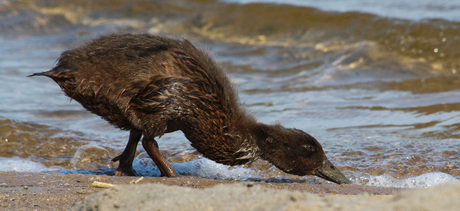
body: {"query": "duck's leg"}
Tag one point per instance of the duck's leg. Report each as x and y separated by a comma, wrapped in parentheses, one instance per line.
(151, 147)
(126, 158)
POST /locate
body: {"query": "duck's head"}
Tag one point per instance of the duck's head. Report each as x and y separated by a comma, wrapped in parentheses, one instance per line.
(297, 152)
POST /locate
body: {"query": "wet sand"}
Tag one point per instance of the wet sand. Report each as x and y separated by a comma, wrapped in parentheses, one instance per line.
(55, 191)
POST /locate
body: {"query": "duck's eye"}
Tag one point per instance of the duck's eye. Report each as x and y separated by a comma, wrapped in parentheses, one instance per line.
(308, 147)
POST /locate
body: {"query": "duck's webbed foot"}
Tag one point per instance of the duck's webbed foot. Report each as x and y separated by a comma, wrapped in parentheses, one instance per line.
(125, 168)
(151, 147)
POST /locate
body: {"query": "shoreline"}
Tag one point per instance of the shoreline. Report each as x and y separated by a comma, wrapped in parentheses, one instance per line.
(56, 191)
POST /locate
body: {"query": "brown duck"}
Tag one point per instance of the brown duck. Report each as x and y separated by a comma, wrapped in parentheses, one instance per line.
(151, 85)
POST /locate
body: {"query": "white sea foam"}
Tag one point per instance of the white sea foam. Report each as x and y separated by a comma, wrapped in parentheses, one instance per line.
(421, 181)
(202, 167)
(20, 165)
(206, 168)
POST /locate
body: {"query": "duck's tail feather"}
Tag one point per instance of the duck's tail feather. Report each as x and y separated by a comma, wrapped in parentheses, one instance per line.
(37, 74)
(58, 72)
(49, 73)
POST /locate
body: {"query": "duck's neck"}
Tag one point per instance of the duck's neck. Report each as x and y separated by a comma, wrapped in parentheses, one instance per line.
(227, 141)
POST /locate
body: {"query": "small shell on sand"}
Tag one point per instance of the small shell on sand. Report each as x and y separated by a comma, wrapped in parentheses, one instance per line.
(101, 184)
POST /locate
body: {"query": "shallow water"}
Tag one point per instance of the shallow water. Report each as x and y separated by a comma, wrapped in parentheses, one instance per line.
(380, 93)
(404, 9)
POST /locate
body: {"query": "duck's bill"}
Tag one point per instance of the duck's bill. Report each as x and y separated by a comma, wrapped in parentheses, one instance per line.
(331, 173)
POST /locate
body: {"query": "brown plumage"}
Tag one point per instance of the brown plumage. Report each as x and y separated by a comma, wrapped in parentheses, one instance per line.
(153, 85)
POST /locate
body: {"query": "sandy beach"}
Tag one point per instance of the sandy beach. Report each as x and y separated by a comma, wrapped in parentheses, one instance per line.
(55, 191)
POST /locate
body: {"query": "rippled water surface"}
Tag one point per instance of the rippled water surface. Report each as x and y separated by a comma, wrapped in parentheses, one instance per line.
(381, 93)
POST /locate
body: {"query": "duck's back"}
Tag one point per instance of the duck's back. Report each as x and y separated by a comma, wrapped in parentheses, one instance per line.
(112, 74)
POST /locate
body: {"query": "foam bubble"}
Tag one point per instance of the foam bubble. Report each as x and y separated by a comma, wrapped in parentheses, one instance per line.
(422, 181)
(202, 167)
(20, 165)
